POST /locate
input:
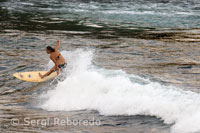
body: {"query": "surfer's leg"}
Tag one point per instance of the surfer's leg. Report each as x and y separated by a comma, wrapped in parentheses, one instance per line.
(58, 71)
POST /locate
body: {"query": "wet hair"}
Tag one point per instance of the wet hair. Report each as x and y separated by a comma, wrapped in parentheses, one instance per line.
(50, 48)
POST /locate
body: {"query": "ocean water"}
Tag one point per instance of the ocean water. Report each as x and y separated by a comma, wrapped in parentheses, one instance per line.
(133, 65)
(53, 15)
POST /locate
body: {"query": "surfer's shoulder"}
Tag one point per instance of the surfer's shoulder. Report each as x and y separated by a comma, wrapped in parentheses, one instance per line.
(54, 54)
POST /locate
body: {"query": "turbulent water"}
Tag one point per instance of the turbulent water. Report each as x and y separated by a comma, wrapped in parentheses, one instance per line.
(133, 66)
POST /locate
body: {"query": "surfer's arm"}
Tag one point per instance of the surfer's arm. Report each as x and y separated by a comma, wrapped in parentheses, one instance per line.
(56, 64)
(55, 68)
(48, 73)
(57, 45)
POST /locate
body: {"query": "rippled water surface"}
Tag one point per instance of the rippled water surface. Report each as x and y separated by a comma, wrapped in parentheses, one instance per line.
(132, 65)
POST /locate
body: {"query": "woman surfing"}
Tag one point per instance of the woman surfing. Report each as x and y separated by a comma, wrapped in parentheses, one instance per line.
(57, 58)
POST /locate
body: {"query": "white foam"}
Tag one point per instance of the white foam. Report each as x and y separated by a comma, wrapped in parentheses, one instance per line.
(113, 92)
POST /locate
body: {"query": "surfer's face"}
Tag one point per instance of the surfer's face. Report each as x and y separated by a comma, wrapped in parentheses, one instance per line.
(48, 51)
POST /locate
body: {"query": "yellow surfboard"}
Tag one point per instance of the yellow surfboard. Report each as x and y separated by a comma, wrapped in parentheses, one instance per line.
(34, 76)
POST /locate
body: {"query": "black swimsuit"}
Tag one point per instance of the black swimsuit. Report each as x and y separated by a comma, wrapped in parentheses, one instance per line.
(62, 66)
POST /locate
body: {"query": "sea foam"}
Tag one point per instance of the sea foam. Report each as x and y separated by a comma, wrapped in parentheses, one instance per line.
(114, 92)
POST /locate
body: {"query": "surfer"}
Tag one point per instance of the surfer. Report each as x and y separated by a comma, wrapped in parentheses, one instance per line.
(57, 58)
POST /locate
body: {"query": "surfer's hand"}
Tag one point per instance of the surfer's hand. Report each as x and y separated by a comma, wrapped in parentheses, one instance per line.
(40, 75)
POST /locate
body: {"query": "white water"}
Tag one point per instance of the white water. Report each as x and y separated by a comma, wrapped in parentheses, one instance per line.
(113, 92)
